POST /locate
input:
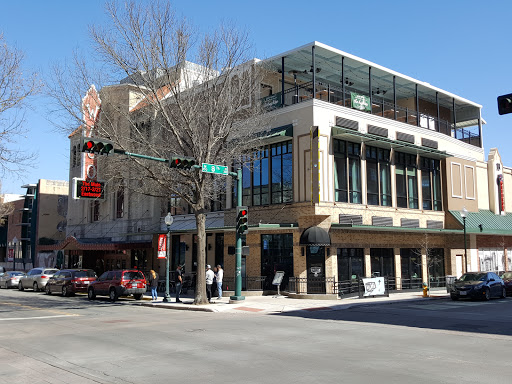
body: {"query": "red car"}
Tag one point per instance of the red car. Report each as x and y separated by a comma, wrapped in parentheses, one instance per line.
(114, 284)
(507, 279)
(70, 281)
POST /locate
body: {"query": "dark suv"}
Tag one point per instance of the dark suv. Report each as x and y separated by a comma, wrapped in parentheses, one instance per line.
(119, 283)
(70, 281)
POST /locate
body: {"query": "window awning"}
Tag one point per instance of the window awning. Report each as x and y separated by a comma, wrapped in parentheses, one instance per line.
(315, 236)
(278, 134)
(384, 142)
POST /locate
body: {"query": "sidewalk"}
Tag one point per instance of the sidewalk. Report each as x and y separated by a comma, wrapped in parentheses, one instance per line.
(273, 304)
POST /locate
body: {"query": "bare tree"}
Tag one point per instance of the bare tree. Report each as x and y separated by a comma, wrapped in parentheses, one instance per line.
(15, 88)
(433, 259)
(191, 95)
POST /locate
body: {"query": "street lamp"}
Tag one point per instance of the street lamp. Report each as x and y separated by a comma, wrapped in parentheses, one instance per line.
(168, 221)
(464, 214)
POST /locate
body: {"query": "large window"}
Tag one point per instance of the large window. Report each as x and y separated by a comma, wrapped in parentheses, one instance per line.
(350, 263)
(267, 176)
(276, 255)
(120, 202)
(431, 184)
(382, 262)
(378, 177)
(347, 171)
(406, 180)
(410, 261)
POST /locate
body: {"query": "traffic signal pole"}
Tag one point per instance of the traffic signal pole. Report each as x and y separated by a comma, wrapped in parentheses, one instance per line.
(238, 253)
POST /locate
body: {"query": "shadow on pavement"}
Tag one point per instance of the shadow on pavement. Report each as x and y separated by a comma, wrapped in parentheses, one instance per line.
(491, 317)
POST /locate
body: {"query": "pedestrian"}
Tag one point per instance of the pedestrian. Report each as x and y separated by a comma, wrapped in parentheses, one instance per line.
(209, 281)
(153, 283)
(219, 276)
(179, 282)
(214, 284)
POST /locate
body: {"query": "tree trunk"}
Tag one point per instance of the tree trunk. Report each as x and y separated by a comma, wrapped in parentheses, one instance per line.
(200, 297)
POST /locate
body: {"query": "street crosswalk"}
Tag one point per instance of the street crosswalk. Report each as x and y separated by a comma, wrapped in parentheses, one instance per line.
(447, 305)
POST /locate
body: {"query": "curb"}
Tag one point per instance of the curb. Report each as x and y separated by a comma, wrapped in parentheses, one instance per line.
(179, 307)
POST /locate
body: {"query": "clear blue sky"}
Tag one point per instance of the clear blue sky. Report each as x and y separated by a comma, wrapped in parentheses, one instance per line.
(460, 46)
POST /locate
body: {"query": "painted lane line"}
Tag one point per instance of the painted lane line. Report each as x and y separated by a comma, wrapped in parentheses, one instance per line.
(39, 317)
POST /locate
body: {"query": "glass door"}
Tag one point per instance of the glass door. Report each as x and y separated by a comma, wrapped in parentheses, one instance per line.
(315, 260)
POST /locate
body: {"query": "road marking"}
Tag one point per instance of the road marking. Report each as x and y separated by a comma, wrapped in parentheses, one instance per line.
(38, 317)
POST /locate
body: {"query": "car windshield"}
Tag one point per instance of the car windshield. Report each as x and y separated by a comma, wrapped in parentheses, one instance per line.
(86, 273)
(506, 276)
(473, 277)
(132, 275)
(17, 273)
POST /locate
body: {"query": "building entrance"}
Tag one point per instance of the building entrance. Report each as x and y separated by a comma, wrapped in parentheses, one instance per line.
(315, 261)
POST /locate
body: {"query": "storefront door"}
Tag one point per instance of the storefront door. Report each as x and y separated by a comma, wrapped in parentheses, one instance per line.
(315, 261)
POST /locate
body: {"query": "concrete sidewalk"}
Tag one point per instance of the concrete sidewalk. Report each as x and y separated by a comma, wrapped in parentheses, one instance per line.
(273, 304)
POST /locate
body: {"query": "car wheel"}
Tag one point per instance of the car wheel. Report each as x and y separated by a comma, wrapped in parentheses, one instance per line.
(113, 295)
(503, 292)
(90, 294)
(5, 285)
(65, 291)
(137, 296)
(487, 294)
(20, 286)
(36, 288)
(47, 290)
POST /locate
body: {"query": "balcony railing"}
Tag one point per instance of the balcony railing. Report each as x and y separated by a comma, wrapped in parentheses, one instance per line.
(333, 93)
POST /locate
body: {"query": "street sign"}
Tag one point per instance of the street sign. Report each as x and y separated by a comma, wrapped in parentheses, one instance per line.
(162, 246)
(217, 169)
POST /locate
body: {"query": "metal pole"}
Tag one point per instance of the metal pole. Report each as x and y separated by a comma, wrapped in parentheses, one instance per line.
(465, 247)
(167, 296)
(238, 255)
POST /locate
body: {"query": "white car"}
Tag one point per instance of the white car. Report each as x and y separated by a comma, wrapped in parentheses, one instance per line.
(10, 279)
(36, 279)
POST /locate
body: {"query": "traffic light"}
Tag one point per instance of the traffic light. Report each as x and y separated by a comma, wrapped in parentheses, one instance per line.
(505, 104)
(97, 145)
(242, 225)
(182, 162)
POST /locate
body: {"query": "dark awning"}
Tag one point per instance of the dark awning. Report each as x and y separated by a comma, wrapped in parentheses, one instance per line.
(315, 236)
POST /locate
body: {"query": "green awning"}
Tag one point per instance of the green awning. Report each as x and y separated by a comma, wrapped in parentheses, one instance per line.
(384, 142)
(392, 229)
(485, 222)
(278, 134)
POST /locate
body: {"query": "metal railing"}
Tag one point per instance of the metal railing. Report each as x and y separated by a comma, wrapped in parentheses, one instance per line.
(313, 285)
(333, 93)
(249, 283)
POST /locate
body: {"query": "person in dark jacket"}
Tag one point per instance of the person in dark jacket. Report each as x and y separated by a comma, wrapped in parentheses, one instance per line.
(153, 283)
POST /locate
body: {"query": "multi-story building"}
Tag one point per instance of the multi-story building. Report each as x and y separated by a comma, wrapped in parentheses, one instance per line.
(365, 172)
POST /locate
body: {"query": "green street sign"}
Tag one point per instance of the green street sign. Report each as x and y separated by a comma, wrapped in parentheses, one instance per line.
(212, 168)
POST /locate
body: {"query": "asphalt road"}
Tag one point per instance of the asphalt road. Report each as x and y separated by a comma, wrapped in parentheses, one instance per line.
(51, 339)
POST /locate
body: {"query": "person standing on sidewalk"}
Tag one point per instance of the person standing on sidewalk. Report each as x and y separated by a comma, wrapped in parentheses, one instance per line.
(219, 275)
(209, 282)
(179, 282)
(153, 283)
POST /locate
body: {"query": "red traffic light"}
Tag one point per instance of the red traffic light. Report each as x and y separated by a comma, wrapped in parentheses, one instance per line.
(243, 212)
(89, 145)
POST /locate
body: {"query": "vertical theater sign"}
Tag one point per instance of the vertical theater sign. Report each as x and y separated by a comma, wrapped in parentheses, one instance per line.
(88, 186)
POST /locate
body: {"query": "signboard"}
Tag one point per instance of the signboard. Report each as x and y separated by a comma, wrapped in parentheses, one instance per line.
(271, 102)
(10, 256)
(88, 189)
(162, 246)
(212, 168)
(278, 278)
(374, 286)
(360, 102)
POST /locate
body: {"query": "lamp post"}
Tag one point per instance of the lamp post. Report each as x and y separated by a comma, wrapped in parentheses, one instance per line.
(464, 214)
(168, 221)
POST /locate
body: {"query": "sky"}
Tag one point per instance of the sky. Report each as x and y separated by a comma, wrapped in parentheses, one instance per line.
(459, 46)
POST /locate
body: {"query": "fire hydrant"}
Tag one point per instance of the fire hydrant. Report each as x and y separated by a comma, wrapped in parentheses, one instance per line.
(425, 290)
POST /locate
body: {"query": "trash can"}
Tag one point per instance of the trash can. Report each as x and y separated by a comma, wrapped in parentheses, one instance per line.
(449, 282)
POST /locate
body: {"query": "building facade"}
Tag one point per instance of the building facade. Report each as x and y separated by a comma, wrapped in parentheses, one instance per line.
(364, 172)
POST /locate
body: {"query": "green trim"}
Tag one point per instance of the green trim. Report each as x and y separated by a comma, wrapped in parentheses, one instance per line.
(364, 137)
(491, 223)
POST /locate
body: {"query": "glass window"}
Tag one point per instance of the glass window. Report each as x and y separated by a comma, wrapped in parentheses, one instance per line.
(382, 262)
(431, 184)
(85, 273)
(378, 178)
(120, 202)
(406, 180)
(347, 154)
(276, 255)
(350, 263)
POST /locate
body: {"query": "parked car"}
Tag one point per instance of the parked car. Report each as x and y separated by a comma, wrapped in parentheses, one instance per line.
(36, 278)
(478, 285)
(70, 281)
(10, 279)
(507, 280)
(118, 283)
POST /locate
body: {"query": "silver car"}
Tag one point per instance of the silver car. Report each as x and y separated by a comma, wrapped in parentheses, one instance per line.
(10, 279)
(36, 279)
